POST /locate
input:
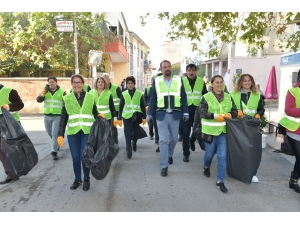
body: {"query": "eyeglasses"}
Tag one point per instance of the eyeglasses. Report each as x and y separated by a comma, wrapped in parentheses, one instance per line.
(78, 82)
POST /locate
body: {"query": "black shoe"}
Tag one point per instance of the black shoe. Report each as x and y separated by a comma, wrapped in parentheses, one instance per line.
(128, 158)
(164, 172)
(222, 187)
(192, 145)
(170, 160)
(293, 184)
(76, 184)
(8, 180)
(156, 141)
(186, 158)
(180, 138)
(157, 150)
(54, 155)
(151, 137)
(133, 146)
(86, 184)
(206, 171)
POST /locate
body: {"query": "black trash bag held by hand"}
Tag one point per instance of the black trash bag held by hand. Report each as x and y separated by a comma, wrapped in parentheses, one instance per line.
(244, 147)
(197, 128)
(100, 149)
(20, 153)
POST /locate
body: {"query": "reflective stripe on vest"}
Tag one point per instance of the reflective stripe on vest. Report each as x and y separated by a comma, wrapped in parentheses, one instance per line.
(4, 99)
(290, 122)
(113, 90)
(131, 105)
(102, 102)
(252, 104)
(212, 126)
(54, 103)
(162, 91)
(193, 97)
(80, 118)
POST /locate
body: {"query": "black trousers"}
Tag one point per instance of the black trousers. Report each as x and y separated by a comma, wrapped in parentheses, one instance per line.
(130, 133)
(114, 131)
(152, 125)
(296, 148)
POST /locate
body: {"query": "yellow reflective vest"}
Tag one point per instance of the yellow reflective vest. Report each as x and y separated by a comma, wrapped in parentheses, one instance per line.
(252, 104)
(290, 122)
(212, 126)
(131, 105)
(4, 99)
(80, 118)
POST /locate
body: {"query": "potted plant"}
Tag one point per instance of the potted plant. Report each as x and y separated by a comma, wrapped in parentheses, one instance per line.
(264, 123)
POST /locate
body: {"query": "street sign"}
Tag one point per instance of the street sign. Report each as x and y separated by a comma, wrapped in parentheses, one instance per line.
(95, 58)
(64, 26)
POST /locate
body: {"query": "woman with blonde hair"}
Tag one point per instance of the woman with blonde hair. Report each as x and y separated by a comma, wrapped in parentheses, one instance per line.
(248, 100)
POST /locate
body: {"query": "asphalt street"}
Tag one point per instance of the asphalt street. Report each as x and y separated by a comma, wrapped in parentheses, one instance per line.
(137, 186)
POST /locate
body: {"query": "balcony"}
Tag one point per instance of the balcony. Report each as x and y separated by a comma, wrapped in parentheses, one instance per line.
(117, 51)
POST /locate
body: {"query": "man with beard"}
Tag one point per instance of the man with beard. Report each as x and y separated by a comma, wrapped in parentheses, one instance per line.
(168, 103)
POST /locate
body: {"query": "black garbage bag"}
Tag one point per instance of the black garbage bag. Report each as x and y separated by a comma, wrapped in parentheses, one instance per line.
(19, 151)
(100, 149)
(286, 147)
(197, 128)
(141, 133)
(244, 147)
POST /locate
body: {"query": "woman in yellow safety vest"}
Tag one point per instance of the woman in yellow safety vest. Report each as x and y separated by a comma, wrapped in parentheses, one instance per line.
(104, 101)
(78, 115)
(214, 107)
(291, 121)
(131, 101)
(248, 100)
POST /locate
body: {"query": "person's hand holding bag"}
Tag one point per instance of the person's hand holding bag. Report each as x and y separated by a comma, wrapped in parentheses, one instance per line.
(240, 114)
(60, 141)
(219, 117)
(228, 116)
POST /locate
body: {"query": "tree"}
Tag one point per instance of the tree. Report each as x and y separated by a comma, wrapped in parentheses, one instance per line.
(250, 28)
(30, 40)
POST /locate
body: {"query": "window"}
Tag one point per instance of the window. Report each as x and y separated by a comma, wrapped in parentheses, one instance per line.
(142, 54)
(138, 53)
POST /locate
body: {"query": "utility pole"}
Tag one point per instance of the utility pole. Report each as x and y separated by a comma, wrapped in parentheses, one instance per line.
(76, 49)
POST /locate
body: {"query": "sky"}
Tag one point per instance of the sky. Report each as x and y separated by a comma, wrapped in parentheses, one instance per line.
(153, 33)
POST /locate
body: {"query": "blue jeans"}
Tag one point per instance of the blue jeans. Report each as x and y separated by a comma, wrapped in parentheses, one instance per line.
(167, 132)
(51, 125)
(217, 146)
(77, 143)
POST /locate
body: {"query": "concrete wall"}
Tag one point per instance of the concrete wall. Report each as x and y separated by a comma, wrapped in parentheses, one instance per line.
(30, 88)
(259, 68)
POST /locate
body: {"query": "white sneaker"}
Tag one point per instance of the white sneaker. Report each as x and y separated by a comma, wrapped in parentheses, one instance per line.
(254, 179)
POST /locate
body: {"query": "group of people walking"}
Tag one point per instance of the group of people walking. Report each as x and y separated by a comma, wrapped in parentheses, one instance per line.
(167, 103)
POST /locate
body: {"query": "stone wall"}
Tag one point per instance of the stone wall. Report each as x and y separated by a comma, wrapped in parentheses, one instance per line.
(30, 88)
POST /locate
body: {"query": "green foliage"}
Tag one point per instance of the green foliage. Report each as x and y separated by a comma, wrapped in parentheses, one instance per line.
(31, 40)
(264, 122)
(176, 69)
(248, 27)
(235, 78)
(201, 71)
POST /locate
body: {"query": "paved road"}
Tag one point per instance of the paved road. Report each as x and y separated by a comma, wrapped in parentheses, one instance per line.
(136, 185)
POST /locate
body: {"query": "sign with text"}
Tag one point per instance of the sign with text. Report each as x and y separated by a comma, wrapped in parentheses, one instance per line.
(64, 26)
